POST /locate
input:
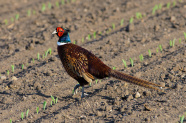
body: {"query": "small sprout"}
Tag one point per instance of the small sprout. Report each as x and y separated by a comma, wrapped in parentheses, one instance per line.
(100, 33)
(94, 35)
(179, 40)
(38, 56)
(125, 63)
(49, 5)
(57, 4)
(37, 110)
(17, 16)
(138, 15)
(89, 37)
(22, 115)
(34, 12)
(50, 51)
(51, 102)
(96, 81)
(157, 49)
(6, 22)
(74, 42)
(62, 2)
(73, 91)
(82, 40)
(90, 84)
(132, 62)
(141, 57)
(149, 53)
(33, 60)
(56, 99)
(174, 3)
(170, 43)
(113, 26)
(10, 120)
(154, 9)
(8, 72)
(131, 20)
(168, 5)
(160, 6)
(53, 99)
(12, 68)
(122, 21)
(184, 35)
(22, 66)
(12, 19)
(43, 56)
(160, 46)
(29, 12)
(181, 119)
(114, 68)
(27, 113)
(43, 7)
(44, 105)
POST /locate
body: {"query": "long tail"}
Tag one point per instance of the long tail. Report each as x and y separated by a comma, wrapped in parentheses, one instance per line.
(134, 80)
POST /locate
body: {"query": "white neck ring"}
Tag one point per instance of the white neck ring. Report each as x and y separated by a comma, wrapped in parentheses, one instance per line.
(60, 44)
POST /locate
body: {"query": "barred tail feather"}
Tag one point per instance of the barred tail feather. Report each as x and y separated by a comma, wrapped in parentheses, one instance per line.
(134, 80)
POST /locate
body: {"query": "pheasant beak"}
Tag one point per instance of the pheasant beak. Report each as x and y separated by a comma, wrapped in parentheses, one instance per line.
(54, 32)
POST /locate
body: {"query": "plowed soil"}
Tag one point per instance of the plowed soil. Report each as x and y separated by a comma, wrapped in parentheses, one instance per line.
(108, 100)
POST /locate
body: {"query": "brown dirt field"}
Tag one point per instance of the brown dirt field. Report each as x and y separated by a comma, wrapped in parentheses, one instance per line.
(109, 100)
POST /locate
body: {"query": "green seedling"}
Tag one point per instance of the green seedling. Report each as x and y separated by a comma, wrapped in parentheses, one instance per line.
(73, 0)
(34, 12)
(29, 12)
(141, 57)
(49, 5)
(96, 81)
(125, 63)
(44, 105)
(12, 68)
(179, 40)
(53, 99)
(122, 21)
(10, 120)
(27, 113)
(94, 35)
(82, 40)
(22, 66)
(12, 19)
(150, 55)
(157, 50)
(172, 42)
(56, 99)
(138, 15)
(160, 6)
(74, 42)
(50, 51)
(73, 91)
(89, 37)
(43, 56)
(168, 5)
(62, 2)
(7, 72)
(90, 84)
(181, 119)
(154, 9)
(184, 35)
(51, 102)
(46, 53)
(22, 115)
(43, 7)
(114, 68)
(100, 33)
(6, 22)
(38, 56)
(113, 26)
(17, 16)
(131, 20)
(110, 29)
(37, 110)
(174, 3)
(132, 62)
(160, 46)
(57, 4)
(33, 60)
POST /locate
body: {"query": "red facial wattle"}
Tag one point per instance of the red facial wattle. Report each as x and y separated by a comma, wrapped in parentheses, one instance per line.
(60, 31)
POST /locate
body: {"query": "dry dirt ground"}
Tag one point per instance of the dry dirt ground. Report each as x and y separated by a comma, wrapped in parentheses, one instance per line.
(23, 36)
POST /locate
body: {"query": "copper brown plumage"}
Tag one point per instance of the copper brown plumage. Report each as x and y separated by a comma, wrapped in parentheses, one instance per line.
(84, 66)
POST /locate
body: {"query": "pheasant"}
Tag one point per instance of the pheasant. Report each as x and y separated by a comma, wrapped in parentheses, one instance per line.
(84, 66)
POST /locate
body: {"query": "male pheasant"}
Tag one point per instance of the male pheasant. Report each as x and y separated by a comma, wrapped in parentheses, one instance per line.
(84, 66)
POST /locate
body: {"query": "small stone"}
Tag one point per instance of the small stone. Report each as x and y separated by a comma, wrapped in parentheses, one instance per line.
(30, 46)
(178, 86)
(130, 97)
(14, 84)
(147, 93)
(172, 19)
(137, 95)
(109, 108)
(145, 63)
(130, 27)
(156, 27)
(162, 84)
(99, 114)
(37, 85)
(3, 77)
(14, 78)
